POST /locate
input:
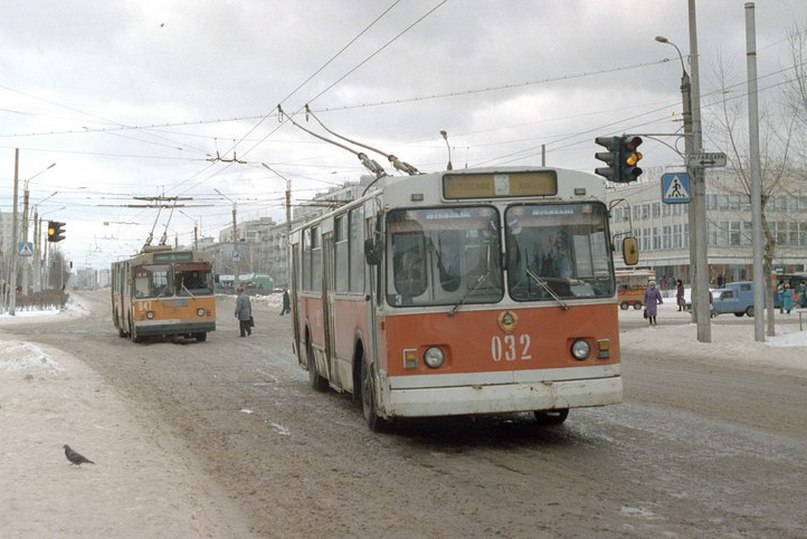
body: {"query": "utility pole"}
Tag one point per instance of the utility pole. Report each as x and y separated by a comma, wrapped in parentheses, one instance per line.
(236, 255)
(12, 274)
(700, 301)
(25, 268)
(698, 237)
(288, 211)
(760, 291)
(37, 263)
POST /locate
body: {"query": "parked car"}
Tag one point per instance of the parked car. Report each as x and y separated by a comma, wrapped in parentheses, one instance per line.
(736, 298)
(688, 300)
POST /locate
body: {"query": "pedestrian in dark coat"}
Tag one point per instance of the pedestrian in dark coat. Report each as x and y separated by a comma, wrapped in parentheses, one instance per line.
(286, 302)
(243, 311)
(679, 296)
(652, 299)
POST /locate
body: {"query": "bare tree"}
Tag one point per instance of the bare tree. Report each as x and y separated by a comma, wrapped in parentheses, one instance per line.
(781, 170)
(58, 270)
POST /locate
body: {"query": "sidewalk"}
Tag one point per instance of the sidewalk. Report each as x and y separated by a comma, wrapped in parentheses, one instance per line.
(732, 343)
(140, 485)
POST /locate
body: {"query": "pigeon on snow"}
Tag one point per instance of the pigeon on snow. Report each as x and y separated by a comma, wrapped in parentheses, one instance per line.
(75, 458)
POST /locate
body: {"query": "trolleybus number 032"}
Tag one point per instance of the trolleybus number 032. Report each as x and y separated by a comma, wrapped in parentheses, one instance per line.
(510, 347)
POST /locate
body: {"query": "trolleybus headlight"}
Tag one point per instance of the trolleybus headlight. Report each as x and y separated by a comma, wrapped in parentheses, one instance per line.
(581, 349)
(150, 315)
(200, 312)
(434, 357)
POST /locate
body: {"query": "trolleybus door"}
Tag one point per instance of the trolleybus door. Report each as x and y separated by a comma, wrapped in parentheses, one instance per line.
(328, 305)
(292, 272)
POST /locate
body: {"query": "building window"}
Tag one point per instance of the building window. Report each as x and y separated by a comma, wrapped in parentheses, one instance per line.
(666, 237)
(735, 233)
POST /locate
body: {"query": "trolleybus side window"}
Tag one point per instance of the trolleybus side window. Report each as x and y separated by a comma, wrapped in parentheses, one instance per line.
(341, 266)
(356, 249)
(316, 260)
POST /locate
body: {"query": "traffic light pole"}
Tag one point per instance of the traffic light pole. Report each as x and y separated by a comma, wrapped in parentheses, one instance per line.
(698, 239)
(700, 301)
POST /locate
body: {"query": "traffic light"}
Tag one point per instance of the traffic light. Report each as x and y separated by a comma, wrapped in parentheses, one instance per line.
(630, 157)
(611, 158)
(55, 231)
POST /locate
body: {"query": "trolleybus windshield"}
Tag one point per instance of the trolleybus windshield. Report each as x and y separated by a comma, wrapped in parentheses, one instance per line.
(558, 250)
(440, 256)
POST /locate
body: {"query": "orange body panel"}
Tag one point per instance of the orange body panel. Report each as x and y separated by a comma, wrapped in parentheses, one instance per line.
(474, 341)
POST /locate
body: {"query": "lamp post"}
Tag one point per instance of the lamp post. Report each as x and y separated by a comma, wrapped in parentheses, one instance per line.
(195, 230)
(698, 259)
(445, 137)
(236, 261)
(288, 199)
(25, 223)
(288, 214)
(38, 242)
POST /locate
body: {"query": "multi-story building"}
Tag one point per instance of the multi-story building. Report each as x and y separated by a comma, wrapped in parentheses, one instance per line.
(663, 229)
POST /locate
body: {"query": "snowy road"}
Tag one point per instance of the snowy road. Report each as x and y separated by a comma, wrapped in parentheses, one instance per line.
(709, 441)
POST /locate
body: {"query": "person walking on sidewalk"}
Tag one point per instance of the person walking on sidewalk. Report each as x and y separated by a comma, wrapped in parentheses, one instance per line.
(652, 299)
(243, 311)
(679, 296)
(286, 309)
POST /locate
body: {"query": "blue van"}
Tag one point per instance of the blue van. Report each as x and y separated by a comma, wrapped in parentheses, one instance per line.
(737, 298)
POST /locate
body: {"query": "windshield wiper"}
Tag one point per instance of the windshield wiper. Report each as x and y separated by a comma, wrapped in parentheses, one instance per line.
(543, 284)
(460, 303)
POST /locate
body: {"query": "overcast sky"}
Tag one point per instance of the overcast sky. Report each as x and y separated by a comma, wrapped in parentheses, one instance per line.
(132, 98)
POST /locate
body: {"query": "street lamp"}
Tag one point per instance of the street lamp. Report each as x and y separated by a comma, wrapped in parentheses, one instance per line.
(38, 173)
(236, 256)
(26, 266)
(288, 213)
(195, 229)
(698, 258)
(445, 137)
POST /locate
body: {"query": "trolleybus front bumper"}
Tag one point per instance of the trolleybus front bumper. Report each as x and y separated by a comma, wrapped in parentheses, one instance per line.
(487, 398)
(160, 327)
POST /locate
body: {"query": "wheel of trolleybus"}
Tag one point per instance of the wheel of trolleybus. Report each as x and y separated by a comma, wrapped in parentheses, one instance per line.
(368, 403)
(318, 382)
(551, 417)
(200, 337)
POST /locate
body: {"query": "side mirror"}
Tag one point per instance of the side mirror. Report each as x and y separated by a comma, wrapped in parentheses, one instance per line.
(372, 252)
(630, 250)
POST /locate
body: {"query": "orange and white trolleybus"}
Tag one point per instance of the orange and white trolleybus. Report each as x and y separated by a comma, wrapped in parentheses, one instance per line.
(476, 291)
(162, 292)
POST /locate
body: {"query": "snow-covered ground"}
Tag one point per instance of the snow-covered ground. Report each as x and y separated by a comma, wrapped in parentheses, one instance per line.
(50, 398)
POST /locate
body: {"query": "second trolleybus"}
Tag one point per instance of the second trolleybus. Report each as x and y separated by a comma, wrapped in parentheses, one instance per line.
(163, 293)
(478, 291)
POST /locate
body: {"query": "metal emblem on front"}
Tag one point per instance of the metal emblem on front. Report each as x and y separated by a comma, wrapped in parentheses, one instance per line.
(507, 321)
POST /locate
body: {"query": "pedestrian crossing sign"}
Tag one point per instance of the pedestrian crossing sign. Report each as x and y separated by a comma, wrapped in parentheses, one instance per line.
(675, 188)
(25, 248)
